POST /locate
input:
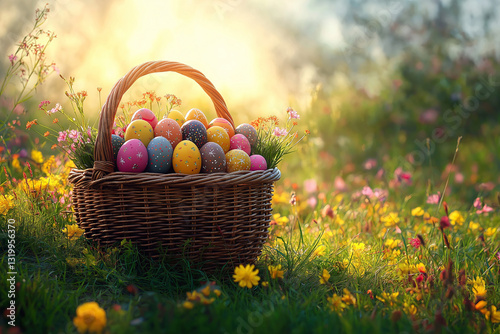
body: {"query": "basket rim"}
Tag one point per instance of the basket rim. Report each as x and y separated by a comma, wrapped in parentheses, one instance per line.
(79, 177)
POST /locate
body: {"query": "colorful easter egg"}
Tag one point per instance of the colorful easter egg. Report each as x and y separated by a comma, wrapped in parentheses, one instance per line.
(140, 129)
(213, 158)
(186, 158)
(240, 142)
(223, 123)
(159, 155)
(146, 115)
(198, 115)
(116, 142)
(248, 131)
(177, 116)
(169, 129)
(257, 162)
(219, 135)
(237, 160)
(194, 131)
(132, 157)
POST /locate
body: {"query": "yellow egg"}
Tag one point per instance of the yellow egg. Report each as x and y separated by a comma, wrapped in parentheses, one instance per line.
(198, 115)
(237, 160)
(186, 158)
(219, 135)
(140, 129)
(177, 116)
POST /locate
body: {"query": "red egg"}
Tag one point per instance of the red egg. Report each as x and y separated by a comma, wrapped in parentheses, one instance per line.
(146, 115)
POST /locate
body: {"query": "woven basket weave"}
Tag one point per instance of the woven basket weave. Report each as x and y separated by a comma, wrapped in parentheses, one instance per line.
(211, 219)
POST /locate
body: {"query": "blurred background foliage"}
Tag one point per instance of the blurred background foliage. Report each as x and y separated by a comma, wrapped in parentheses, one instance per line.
(380, 84)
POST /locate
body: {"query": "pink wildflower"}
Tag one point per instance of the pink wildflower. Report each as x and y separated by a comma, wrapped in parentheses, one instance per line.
(62, 136)
(312, 201)
(434, 199)
(370, 164)
(293, 200)
(278, 132)
(43, 104)
(73, 134)
(292, 114)
(367, 191)
(12, 59)
(444, 222)
(415, 243)
(55, 109)
(477, 203)
(310, 186)
(485, 209)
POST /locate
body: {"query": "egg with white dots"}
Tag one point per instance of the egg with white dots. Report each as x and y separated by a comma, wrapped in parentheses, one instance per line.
(213, 158)
(116, 142)
(159, 155)
(132, 157)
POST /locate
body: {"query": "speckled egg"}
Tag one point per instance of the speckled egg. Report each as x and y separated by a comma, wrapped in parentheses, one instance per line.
(257, 162)
(186, 158)
(159, 155)
(198, 115)
(219, 135)
(240, 142)
(146, 115)
(237, 160)
(169, 129)
(132, 157)
(223, 123)
(194, 131)
(177, 116)
(140, 129)
(116, 142)
(213, 158)
(248, 131)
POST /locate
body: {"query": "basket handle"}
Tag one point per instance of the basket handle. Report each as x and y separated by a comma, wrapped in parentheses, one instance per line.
(103, 152)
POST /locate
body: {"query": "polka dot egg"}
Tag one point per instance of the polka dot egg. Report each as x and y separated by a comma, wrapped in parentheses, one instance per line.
(257, 162)
(139, 129)
(116, 142)
(169, 129)
(159, 155)
(194, 131)
(146, 115)
(132, 157)
(237, 160)
(177, 116)
(218, 135)
(198, 115)
(213, 158)
(240, 142)
(248, 131)
(186, 158)
(223, 123)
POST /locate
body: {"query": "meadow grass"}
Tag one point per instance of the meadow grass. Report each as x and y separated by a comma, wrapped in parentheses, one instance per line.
(365, 243)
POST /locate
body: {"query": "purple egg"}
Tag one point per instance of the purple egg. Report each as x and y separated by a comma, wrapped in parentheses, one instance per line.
(213, 158)
(194, 131)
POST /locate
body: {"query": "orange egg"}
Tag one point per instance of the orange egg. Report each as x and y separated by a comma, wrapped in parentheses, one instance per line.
(223, 123)
(219, 135)
(198, 115)
(169, 129)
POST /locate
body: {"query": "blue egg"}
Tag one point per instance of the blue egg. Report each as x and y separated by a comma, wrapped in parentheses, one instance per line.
(160, 155)
(117, 142)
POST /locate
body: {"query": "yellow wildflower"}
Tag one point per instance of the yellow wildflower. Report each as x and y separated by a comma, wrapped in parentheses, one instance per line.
(90, 318)
(276, 271)
(357, 247)
(456, 218)
(409, 309)
(16, 164)
(492, 315)
(280, 220)
(281, 198)
(335, 303)
(320, 251)
(47, 165)
(474, 226)
(490, 231)
(388, 298)
(265, 284)
(324, 277)
(348, 298)
(217, 292)
(73, 232)
(246, 276)
(390, 219)
(417, 212)
(481, 306)
(339, 221)
(206, 291)
(421, 267)
(37, 156)
(188, 305)
(6, 203)
(391, 243)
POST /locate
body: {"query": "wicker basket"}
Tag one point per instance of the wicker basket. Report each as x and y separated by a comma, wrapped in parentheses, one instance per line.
(211, 219)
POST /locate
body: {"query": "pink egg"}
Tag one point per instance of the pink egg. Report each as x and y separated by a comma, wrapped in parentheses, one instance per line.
(257, 162)
(146, 115)
(240, 142)
(132, 157)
